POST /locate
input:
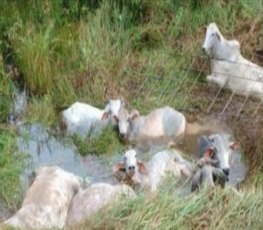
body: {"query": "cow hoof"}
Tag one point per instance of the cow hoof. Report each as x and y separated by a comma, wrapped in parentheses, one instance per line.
(209, 78)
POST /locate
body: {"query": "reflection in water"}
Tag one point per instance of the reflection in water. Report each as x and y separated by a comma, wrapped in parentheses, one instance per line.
(44, 149)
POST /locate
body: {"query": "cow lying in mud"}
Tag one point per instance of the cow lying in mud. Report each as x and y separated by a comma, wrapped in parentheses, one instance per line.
(149, 175)
(56, 198)
(82, 118)
(213, 166)
(223, 148)
(229, 68)
(206, 173)
(47, 201)
(94, 198)
(164, 123)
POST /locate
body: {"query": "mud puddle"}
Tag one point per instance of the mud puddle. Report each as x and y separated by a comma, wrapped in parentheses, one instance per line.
(44, 149)
(190, 146)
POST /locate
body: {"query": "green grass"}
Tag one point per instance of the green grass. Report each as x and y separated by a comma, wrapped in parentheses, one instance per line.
(11, 165)
(6, 92)
(208, 209)
(107, 142)
(92, 50)
(104, 51)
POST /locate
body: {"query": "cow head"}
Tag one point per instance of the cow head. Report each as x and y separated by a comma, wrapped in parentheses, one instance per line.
(212, 36)
(125, 120)
(131, 166)
(221, 149)
(112, 108)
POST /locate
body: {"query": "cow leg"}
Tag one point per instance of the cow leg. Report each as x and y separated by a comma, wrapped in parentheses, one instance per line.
(218, 80)
(219, 177)
(196, 180)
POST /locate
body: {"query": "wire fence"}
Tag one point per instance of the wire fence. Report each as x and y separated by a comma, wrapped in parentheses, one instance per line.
(190, 91)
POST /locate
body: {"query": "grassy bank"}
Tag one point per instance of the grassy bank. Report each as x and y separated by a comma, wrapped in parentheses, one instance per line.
(149, 52)
(208, 209)
(72, 51)
(11, 164)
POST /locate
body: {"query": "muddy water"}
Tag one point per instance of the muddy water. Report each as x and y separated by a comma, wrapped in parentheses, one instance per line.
(204, 126)
(190, 146)
(44, 149)
(208, 126)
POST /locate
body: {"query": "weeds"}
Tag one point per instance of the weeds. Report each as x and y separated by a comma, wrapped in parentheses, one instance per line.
(68, 52)
(6, 93)
(141, 49)
(208, 209)
(107, 142)
(11, 164)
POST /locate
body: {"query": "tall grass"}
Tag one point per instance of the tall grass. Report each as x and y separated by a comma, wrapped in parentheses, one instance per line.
(11, 163)
(68, 50)
(98, 51)
(208, 209)
(6, 92)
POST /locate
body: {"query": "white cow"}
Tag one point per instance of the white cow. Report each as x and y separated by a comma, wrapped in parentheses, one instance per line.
(94, 198)
(223, 148)
(82, 118)
(229, 68)
(149, 175)
(47, 201)
(164, 123)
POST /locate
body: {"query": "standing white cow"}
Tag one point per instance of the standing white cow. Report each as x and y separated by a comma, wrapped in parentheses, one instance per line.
(164, 124)
(82, 118)
(149, 175)
(47, 201)
(94, 198)
(229, 68)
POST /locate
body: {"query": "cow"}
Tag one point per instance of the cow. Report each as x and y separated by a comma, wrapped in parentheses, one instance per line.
(84, 119)
(162, 124)
(229, 68)
(47, 201)
(149, 175)
(94, 198)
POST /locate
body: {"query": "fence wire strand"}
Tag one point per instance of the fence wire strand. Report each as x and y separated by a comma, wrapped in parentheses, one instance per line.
(185, 85)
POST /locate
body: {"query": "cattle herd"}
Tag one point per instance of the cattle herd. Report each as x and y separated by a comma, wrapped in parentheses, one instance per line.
(57, 198)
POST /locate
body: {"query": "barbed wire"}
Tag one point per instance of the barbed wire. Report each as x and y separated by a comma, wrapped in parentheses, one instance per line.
(185, 84)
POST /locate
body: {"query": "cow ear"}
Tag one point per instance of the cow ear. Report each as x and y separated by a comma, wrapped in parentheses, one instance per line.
(209, 153)
(116, 119)
(218, 36)
(122, 102)
(119, 167)
(105, 116)
(134, 114)
(235, 145)
(142, 168)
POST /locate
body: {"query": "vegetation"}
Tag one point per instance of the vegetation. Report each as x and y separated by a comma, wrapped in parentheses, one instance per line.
(149, 52)
(6, 91)
(208, 209)
(107, 142)
(11, 164)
